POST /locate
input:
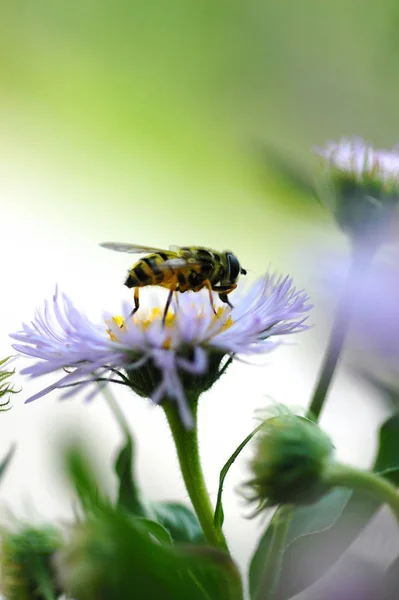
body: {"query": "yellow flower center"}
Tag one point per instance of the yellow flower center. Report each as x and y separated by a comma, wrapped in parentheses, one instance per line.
(156, 314)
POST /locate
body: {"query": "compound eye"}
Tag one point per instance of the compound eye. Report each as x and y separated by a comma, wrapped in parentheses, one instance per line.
(234, 266)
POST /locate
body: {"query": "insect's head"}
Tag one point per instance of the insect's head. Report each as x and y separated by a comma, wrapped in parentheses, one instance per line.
(234, 269)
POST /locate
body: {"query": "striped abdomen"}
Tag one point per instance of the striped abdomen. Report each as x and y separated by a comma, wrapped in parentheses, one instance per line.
(147, 272)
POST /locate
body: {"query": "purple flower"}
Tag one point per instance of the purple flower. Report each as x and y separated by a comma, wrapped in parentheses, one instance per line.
(361, 187)
(175, 361)
(357, 158)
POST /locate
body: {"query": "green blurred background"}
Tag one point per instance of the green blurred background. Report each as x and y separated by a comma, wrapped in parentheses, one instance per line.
(150, 114)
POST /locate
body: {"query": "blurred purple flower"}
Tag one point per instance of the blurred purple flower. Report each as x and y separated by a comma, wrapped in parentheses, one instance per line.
(160, 361)
(361, 187)
(374, 299)
(355, 157)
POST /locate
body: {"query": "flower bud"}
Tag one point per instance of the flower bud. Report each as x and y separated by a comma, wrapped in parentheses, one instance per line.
(82, 564)
(289, 461)
(365, 187)
(6, 388)
(26, 557)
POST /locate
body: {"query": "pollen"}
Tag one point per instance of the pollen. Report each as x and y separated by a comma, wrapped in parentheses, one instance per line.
(219, 313)
(156, 314)
(167, 343)
(120, 323)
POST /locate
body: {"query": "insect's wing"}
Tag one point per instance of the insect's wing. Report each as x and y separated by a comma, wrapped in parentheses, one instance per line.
(176, 264)
(130, 248)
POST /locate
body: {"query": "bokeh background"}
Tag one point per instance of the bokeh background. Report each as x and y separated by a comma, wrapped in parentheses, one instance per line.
(154, 122)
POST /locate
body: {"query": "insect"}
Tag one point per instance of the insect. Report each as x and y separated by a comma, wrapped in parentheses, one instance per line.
(181, 269)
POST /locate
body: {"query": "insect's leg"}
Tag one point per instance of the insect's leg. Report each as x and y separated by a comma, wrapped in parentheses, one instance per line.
(168, 301)
(136, 301)
(208, 285)
(177, 297)
(224, 298)
(223, 290)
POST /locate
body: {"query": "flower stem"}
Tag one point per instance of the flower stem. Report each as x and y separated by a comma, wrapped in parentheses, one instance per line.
(186, 442)
(339, 475)
(282, 517)
(118, 414)
(271, 572)
(360, 261)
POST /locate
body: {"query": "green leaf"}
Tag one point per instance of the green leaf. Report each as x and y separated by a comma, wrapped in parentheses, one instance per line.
(114, 557)
(6, 460)
(390, 582)
(158, 531)
(319, 534)
(84, 479)
(217, 583)
(3, 362)
(180, 521)
(128, 494)
(219, 514)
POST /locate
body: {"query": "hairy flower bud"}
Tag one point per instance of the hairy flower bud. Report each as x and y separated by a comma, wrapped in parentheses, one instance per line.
(26, 568)
(288, 464)
(365, 186)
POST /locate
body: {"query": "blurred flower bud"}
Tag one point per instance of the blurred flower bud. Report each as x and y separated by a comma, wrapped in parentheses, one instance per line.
(362, 187)
(6, 387)
(26, 563)
(289, 461)
(82, 565)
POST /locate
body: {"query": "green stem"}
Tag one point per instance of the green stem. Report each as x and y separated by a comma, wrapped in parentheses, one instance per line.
(186, 442)
(360, 261)
(274, 560)
(118, 414)
(282, 517)
(339, 475)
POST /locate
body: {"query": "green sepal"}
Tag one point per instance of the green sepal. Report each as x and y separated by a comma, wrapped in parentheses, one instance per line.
(218, 518)
(319, 534)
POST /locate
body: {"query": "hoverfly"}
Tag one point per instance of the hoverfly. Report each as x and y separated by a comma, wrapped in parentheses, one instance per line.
(181, 269)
